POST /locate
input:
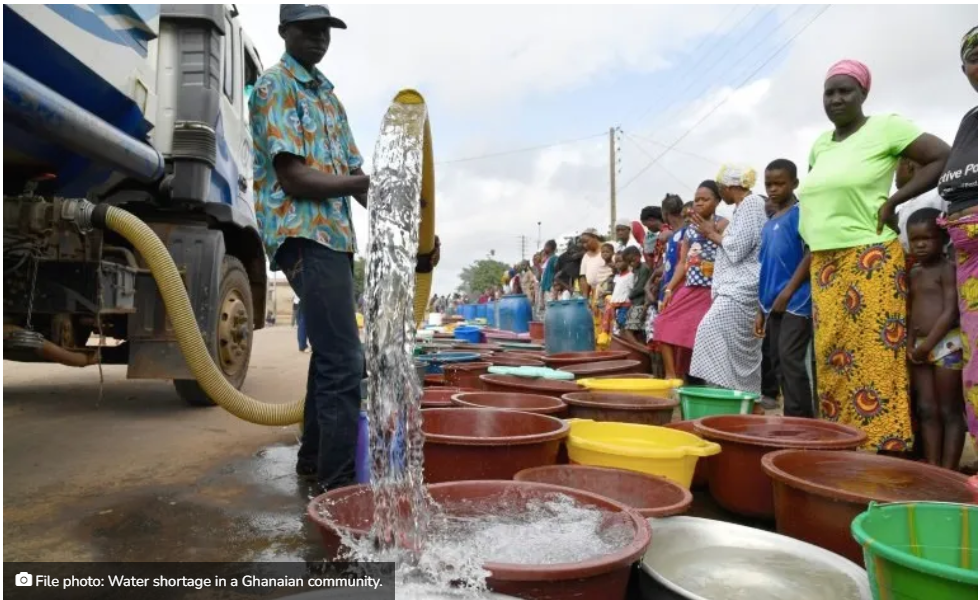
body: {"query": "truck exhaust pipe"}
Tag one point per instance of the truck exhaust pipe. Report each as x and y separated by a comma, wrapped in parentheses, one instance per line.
(40, 110)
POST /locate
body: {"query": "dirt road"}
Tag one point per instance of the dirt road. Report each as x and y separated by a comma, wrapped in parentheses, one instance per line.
(141, 476)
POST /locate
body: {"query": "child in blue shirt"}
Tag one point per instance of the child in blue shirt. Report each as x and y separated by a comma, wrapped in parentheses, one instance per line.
(784, 291)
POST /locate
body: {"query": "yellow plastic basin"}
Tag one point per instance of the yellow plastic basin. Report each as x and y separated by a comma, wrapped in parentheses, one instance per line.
(659, 451)
(645, 387)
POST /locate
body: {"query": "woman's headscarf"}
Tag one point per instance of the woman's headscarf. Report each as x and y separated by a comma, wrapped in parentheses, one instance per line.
(854, 69)
(968, 43)
(736, 176)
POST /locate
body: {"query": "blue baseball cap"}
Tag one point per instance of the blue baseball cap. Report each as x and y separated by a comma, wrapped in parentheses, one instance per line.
(295, 13)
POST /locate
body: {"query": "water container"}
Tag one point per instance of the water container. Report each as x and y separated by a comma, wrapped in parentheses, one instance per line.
(464, 333)
(568, 327)
(468, 311)
(515, 313)
(492, 313)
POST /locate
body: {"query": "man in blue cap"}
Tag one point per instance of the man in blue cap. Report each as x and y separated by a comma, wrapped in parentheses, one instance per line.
(307, 168)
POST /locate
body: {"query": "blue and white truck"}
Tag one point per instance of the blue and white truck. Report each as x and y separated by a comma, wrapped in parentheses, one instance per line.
(144, 107)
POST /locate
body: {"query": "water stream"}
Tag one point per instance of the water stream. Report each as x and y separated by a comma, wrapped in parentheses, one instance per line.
(427, 544)
(394, 392)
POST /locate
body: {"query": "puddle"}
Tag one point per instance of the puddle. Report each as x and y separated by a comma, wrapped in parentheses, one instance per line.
(250, 509)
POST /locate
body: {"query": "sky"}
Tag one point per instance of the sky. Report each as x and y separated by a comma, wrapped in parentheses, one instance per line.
(521, 99)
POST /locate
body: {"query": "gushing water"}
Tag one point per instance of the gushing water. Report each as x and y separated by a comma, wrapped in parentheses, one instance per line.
(429, 544)
(401, 502)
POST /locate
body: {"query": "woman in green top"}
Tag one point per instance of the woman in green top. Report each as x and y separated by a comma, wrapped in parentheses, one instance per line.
(858, 269)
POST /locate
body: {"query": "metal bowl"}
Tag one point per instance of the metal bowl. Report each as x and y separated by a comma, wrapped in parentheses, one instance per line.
(704, 559)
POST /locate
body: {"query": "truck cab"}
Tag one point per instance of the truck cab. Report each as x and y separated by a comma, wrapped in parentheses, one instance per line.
(144, 107)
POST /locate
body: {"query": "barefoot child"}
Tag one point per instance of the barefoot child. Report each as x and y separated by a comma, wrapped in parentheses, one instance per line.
(784, 291)
(635, 315)
(934, 348)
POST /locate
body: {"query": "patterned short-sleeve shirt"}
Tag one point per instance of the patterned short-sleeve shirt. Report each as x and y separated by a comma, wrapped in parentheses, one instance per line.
(295, 112)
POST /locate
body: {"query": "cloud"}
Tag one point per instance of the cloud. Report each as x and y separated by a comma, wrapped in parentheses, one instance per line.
(488, 71)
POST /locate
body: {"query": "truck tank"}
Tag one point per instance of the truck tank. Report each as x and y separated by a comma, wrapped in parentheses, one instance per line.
(95, 56)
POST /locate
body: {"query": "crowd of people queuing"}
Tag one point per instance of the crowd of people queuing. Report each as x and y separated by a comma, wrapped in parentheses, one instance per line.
(864, 300)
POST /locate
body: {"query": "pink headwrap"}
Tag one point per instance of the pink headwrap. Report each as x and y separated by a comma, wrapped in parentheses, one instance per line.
(854, 69)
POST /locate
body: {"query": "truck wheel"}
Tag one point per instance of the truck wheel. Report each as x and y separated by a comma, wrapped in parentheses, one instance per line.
(233, 333)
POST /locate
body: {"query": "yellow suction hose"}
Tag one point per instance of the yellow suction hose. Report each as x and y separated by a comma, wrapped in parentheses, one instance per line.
(178, 305)
(427, 226)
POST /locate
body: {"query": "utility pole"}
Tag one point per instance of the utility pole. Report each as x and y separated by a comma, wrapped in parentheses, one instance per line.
(612, 181)
(523, 246)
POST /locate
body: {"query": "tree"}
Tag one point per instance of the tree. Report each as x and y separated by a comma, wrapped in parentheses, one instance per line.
(481, 276)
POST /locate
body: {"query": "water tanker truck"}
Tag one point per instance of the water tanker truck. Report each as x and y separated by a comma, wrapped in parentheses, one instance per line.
(140, 107)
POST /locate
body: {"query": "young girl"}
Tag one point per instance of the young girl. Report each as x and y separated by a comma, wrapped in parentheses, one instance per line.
(934, 348)
(687, 298)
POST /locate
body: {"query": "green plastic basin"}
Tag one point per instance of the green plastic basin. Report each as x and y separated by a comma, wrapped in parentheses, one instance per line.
(697, 402)
(919, 550)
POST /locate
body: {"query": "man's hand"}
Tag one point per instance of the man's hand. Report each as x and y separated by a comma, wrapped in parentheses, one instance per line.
(781, 302)
(760, 325)
(301, 181)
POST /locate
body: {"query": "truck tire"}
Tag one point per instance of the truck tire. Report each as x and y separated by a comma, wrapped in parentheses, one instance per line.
(233, 333)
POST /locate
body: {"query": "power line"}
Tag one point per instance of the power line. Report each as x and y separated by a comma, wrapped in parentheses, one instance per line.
(694, 68)
(706, 75)
(712, 161)
(726, 98)
(520, 150)
(662, 168)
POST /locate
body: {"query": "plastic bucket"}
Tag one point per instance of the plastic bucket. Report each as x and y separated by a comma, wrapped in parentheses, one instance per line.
(919, 550)
(648, 449)
(642, 386)
(697, 402)
(473, 335)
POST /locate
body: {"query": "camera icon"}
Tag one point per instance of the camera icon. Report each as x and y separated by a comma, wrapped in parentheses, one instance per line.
(23, 579)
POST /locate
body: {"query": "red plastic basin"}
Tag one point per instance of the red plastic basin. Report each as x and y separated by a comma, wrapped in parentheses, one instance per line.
(735, 477)
(605, 367)
(620, 408)
(533, 403)
(818, 493)
(508, 359)
(563, 359)
(465, 374)
(525, 385)
(651, 496)
(351, 510)
(463, 445)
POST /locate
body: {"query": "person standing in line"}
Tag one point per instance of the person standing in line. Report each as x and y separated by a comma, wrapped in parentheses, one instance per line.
(653, 244)
(687, 296)
(549, 261)
(624, 236)
(784, 292)
(958, 186)
(936, 348)
(307, 167)
(726, 351)
(858, 274)
(593, 265)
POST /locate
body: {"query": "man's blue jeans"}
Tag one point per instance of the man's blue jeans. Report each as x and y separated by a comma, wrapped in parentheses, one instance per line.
(301, 329)
(324, 281)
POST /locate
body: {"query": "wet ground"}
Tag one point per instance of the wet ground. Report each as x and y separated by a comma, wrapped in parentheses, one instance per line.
(138, 475)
